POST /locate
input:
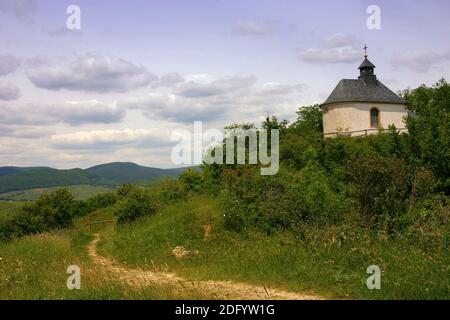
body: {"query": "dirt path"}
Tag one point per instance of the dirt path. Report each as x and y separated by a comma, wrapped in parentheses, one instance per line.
(217, 289)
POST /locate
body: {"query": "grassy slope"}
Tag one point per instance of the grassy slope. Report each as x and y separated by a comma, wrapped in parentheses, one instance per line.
(48, 177)
(35, 268)
(80, 192)
(335, 270)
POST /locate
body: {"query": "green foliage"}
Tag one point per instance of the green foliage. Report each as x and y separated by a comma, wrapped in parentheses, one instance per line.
(192, 180)
(56, 209)
(97, 202)
(380, 185)
(309, 118)
(137, 204)
(51, 211)
(315, 198)
(429, 129)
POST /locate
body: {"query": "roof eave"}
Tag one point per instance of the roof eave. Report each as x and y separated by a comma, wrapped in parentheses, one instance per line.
(340, 102)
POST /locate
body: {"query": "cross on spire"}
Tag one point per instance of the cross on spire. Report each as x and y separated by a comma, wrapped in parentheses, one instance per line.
(365, 51)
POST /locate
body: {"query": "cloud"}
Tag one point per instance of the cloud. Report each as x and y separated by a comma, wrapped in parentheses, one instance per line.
(93, 111)
(274, 88)
(251, 28)
(90, 73)
(214, 88)
(9, 64)
(203, 100)
(112, 139)
(338, 48)
(419, 61)
(26, 132)
(339, 40)
(73, 113)
(175, 108)
(170, 79)
(24, 115)
(9, 92)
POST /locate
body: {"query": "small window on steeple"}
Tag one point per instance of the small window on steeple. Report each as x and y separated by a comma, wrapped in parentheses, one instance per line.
(374, 118)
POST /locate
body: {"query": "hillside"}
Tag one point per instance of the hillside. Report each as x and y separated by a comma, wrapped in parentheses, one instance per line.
(127, 172)
(112, 174)
(4, 171)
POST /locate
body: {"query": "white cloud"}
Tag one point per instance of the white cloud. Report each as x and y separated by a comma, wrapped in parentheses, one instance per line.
(72, 113)
(224, 99)
(419, 61)
(112, 139)
(8, 64)
(174, 108)
(91, 111)
(27, 132)
(88, 72)
(339, 40)
(338, 48)
(9, 92)
(217, 87)
(251, 28)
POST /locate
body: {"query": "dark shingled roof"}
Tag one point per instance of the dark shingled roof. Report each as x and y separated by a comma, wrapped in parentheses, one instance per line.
(366, 64)
(349, 90)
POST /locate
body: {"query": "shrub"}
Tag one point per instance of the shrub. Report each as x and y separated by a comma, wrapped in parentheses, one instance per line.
(380, 185)
(316, 201)
(55, 209)
(171, 190)
(101, 201)
(192, 180)
(51, 211)
(136, 205)
(126, 189)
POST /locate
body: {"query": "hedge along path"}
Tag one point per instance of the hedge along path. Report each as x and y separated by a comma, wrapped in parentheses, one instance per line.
(136, 277)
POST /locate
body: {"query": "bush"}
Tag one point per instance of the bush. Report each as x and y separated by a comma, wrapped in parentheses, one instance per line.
(317, 202)
(55, 209)
(137, 204)
(282, 201)
(380, 185)
(192, 180)
(51, 211)
(171, 190)
(101, 201)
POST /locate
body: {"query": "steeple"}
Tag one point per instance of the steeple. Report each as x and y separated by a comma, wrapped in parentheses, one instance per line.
(366, 70)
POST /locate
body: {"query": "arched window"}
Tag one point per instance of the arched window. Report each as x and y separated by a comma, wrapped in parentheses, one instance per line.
(374, 118)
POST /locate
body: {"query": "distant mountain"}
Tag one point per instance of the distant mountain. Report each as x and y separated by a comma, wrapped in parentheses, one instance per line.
(126, 172)
(111, 174)
(4, 171)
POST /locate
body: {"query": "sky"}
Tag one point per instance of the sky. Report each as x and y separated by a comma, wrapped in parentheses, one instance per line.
(136, 71)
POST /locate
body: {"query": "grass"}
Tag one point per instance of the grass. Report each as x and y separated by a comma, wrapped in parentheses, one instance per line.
(334, 269)
(35, 268)
(81, 192)
(8, 209)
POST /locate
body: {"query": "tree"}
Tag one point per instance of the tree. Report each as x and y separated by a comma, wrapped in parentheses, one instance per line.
(429, 129)
(309, 118)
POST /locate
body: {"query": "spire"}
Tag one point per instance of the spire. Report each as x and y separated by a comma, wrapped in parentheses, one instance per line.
(366, 70)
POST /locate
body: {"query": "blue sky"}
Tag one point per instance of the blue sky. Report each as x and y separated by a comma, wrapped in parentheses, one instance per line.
(138, 70)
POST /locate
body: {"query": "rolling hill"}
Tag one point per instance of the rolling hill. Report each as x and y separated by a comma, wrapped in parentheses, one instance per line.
(111, 174)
